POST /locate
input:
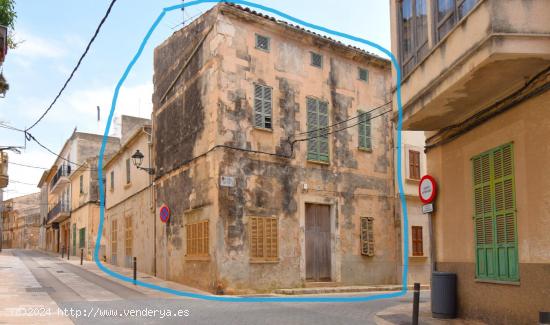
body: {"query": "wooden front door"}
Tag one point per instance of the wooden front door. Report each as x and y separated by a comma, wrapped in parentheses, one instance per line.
(317, 242)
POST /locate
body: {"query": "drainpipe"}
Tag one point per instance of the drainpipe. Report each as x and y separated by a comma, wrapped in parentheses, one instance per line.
(152, 198)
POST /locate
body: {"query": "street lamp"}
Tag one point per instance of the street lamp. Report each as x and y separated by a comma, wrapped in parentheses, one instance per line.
(137, 159)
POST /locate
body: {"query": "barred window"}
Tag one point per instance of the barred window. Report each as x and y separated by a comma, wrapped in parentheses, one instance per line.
(316, 60)
(264, 239)
(363, 74)
(197, 239)
(367, 236)
(262, 42)
(262, 106)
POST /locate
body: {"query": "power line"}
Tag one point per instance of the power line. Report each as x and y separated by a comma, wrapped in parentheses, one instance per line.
(342, 129)
(31, 137)
(292, 143)
(346, 120)
(76, 67)
(19, 182)
(29, 166)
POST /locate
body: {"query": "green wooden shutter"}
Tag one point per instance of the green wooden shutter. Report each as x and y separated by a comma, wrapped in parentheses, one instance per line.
(323, 124)
(364, 128)
(495, 215)
(74, 239)
(312, 118)
(483, 217)
(317, 123)
(505, 214)
(262, 106)
(82, 237)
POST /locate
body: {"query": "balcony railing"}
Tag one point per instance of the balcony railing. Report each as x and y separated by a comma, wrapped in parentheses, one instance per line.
(59, 208)
(63, 171)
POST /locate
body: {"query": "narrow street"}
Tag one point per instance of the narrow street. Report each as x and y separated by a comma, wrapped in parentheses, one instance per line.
(36, 285)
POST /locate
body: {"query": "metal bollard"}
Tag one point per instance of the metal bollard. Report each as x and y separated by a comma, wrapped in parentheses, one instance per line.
(544, 317)
(416, 300)
(135, 270)
(63, 252)
(81, 255)
(68, 252)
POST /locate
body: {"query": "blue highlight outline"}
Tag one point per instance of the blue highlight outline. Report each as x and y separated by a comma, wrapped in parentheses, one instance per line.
(257, 299)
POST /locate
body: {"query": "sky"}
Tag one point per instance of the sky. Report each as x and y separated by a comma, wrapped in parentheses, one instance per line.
(53, 35)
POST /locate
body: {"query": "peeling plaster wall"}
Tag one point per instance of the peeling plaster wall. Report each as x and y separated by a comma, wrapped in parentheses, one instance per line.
(356, 183)
(212, 105)
(182, 112)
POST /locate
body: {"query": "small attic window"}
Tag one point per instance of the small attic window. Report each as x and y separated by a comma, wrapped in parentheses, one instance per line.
(363, 74)
(316, 60)
(262, 42)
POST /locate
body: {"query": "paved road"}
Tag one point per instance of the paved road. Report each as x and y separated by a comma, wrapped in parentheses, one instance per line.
(85, 297)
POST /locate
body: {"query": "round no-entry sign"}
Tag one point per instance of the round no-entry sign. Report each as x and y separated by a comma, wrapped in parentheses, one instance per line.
(427, 189)
(164, 213)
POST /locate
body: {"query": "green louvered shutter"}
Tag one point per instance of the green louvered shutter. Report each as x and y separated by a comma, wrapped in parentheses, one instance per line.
(505, 213)
(364, 131)
(317, 122)
(483, 217)
(495, 215)
(262, 106)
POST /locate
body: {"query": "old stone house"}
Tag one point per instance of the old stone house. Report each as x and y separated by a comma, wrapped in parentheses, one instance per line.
(129, 225)
(413, 167)
(60, 232)
(476, 78)
(21, 222)
(84, 208)
(251, 208)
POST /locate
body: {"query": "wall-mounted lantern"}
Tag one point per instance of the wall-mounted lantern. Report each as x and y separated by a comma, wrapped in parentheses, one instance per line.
(137, 159)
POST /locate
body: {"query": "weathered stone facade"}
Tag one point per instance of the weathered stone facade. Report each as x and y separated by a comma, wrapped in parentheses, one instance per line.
(204, 129)
(21, 222)
(129, 224)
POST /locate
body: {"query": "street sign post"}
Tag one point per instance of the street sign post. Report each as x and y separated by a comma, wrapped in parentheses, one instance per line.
(428, 208)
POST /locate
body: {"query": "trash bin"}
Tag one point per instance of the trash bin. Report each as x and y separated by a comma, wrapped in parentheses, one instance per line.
(444, 295)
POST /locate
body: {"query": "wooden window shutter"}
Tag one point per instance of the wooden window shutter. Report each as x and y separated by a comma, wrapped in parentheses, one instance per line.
(198, 239)
(262, 106)
(414, 164)
(364, 128)
(367, 236)
(495, 215)
(264, 238)
(417, 241)
(317, 123)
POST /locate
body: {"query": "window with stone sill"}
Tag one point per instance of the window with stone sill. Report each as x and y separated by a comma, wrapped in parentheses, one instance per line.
(264, 241)
(197, 239)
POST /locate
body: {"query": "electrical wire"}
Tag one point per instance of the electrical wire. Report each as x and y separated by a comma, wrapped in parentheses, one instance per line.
(342, 129)
(290, 155)
(29, 166)
(31, 137)
(22, 183)
(346, 120)
(76, 67)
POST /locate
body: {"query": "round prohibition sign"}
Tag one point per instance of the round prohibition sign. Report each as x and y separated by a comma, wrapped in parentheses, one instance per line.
(164, 213)
(427, 189)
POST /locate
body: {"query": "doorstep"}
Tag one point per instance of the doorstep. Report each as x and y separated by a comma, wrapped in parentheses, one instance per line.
(331, 288)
